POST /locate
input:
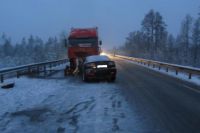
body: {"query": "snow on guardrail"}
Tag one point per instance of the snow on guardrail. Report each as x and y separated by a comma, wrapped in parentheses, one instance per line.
(27, 69)
(177, 68)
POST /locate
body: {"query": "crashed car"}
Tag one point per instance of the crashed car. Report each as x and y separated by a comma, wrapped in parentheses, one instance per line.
(99, 67)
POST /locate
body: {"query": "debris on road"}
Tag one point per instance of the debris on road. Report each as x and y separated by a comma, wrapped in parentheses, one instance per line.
(7, 85)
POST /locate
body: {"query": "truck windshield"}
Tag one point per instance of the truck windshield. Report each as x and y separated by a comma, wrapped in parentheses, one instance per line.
(77, 41)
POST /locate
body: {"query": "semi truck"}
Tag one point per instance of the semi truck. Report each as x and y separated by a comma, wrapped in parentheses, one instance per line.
(81, 42)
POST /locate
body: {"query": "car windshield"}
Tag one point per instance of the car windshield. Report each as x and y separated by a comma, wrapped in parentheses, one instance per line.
(77, 41)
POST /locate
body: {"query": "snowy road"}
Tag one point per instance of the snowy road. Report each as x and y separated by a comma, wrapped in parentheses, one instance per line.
(141, 101)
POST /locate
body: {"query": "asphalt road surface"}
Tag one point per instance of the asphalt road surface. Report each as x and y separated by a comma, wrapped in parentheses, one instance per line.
(166, 104)
(140, 101)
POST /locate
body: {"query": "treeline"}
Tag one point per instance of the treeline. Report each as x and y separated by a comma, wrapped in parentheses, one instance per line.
(30, 50)
(154, 42)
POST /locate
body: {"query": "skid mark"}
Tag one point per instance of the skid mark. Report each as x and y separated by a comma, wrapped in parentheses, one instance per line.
(34, 114)
(73, 120)
(73, 114)
(48, 98)
(79, 107)
(91, 108)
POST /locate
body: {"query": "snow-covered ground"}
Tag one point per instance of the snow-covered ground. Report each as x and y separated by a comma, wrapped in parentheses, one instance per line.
(181, 75)
(58, 104)
(61, 104)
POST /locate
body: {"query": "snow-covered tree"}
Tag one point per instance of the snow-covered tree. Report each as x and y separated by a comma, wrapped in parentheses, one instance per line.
(196, 41)
(155, 32)
(153, 41)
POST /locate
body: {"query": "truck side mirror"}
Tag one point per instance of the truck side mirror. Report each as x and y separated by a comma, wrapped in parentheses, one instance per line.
(100, 42)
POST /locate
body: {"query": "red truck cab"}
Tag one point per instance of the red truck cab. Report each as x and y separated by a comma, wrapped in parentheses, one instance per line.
(82, 42)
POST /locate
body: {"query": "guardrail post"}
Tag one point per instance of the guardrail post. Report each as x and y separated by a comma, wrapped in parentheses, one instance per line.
(29, 70)
(45, 70)
(176, 72)
(153, 66)
(159, 67)
(167, 69)
(1, 78)
(50, 67)
(190, 75)
(38, 69)
(18, 75)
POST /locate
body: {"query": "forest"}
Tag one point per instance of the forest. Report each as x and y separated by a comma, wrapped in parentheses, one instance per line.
(154, 42)
(30, 50)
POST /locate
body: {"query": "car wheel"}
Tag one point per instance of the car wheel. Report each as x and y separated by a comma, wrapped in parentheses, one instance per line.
(112, 79)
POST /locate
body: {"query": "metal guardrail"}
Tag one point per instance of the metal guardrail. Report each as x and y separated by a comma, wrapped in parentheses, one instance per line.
(30, 68)
(177, 68)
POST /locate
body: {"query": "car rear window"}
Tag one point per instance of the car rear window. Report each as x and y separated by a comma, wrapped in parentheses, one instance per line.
(96, 58)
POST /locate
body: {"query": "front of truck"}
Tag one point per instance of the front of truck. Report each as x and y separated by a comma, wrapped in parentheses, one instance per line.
(83, 42)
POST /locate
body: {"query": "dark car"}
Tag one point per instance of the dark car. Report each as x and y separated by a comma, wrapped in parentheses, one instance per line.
(99, 67)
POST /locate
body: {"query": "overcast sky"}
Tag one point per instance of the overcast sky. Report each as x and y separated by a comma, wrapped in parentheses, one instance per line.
(115, 18)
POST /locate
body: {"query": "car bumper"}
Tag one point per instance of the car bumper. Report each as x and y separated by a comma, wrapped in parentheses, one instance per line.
(101, 73)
